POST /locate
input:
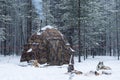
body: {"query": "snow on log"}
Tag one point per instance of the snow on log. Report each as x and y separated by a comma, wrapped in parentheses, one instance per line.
(29, 50)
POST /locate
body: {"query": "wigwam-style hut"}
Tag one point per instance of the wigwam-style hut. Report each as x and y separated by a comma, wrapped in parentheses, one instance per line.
(49, 46)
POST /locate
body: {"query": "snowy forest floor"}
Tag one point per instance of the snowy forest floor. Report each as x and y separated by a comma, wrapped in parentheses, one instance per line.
(10, 69)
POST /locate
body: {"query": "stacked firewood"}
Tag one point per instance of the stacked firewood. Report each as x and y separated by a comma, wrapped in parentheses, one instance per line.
(50, 46)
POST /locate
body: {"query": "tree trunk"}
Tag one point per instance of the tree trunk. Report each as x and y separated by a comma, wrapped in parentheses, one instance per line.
(79, 34)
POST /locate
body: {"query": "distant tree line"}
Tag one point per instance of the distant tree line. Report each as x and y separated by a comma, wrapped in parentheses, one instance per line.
(91, 26)
(99, 24)
(17, 18)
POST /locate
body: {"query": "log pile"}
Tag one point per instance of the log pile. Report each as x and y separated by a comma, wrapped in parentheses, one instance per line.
(50, 46)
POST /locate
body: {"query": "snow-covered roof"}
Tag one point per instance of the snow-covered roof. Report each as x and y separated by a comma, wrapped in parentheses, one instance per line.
(47, 27)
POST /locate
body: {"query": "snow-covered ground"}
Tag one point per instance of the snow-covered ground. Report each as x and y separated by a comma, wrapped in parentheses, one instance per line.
(10, 69)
